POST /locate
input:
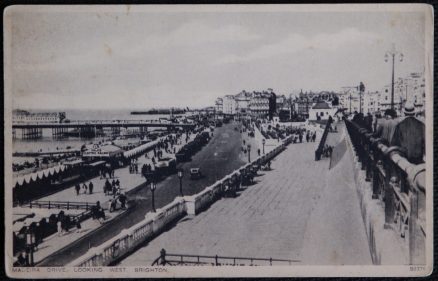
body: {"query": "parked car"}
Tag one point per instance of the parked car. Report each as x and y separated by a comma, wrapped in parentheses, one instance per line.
(195, 173)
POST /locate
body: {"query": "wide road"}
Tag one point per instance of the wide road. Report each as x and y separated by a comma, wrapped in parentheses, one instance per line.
(218, 158)
(300, 210)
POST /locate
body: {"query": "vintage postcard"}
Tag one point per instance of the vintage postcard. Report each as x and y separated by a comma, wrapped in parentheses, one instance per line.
(218, 140)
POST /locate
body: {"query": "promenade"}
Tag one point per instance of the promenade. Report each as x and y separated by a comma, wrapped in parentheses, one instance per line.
(218, 158)
(299, 210)
(128, 183)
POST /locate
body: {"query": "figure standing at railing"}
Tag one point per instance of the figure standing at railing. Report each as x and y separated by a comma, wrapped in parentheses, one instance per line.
(409, 134)
(385, 127)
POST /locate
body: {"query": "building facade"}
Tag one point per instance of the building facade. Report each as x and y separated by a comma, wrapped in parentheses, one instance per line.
(321, 110)
(229, 105)
(219, 105)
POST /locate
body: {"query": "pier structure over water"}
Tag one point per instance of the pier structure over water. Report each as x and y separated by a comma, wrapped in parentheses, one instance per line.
(33, 130)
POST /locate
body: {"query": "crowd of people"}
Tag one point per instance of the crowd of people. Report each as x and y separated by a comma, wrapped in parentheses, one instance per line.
(406, 132)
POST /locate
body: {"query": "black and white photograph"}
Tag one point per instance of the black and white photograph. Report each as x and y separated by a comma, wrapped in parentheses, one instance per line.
(218, 140)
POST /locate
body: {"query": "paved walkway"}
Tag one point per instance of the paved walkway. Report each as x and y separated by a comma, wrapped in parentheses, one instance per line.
(289, 213)
(128, 182)
(54, 242)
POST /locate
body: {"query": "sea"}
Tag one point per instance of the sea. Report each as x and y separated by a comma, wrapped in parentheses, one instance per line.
(47, 143)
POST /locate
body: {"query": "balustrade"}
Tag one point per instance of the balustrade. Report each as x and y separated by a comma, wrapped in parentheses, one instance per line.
(398, 183)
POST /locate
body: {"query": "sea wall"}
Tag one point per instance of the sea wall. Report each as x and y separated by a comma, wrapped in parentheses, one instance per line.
(386, 247)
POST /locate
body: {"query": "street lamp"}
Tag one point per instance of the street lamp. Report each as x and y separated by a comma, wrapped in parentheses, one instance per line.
(180, 176)
(30, 243)
(393, 53)
(263, 142)
(153, 187)
(249, 152)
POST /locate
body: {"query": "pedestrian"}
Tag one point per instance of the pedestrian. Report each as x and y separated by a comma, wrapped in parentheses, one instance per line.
(107, 187)
(114, 190)
(258, 151)
(21, 260)
(122, 199)
(90, 187)
(117, 183)
(78, 226)
(59, 227)
(113, 173)
(78, 188)
(301, 137)
(85, 187)
(112, 208)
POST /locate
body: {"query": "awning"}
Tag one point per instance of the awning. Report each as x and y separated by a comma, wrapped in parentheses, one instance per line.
(39, 175)
(95, 164)
(140, 149)
(72, 163)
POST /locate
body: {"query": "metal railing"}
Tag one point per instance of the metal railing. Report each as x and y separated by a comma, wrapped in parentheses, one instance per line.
(319, 150)
(67, 205)
(399, 184)
(185, 259)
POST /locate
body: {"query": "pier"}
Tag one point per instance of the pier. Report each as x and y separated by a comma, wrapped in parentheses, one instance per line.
(88, 129)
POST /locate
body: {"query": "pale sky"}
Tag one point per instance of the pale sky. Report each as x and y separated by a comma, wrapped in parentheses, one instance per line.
(134, 58)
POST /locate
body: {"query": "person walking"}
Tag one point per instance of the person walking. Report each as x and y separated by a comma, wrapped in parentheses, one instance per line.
(85, 187)
(107, 187)
(90, 187)
(78, 226)
(59, 227)
(77, 188)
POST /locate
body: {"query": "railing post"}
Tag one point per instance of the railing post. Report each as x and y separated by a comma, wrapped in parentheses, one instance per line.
(369, 162)
(68, 205)
(416, 237)
(376, 179)
(216, 260)
(49, 204)
(389, 202)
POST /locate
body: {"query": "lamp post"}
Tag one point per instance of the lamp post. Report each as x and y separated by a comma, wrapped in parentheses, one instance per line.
(153, 187)
(393, 53)
(30, 243)
(249, 152)
(263, 142)
(180, 176)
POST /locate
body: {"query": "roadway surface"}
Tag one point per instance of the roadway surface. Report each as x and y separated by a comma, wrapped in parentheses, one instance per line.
(300, 211)
(218, 158)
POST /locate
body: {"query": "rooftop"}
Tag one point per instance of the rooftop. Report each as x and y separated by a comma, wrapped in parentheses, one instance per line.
(321, 105)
